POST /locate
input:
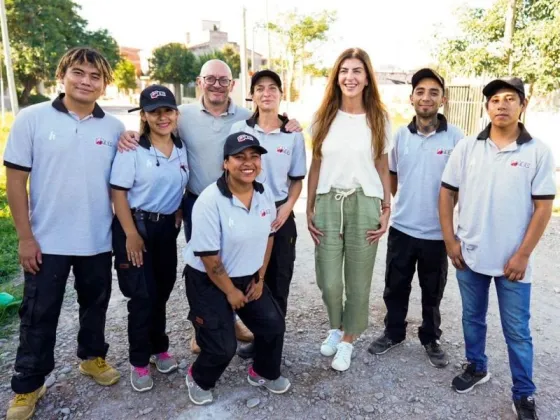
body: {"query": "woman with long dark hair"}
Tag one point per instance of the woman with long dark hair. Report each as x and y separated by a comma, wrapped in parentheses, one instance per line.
(348, 204)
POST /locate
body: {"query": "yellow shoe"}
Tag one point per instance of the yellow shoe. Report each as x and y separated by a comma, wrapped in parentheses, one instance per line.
(194, 345)
(22, 407)
(242, 333)
(100, 371)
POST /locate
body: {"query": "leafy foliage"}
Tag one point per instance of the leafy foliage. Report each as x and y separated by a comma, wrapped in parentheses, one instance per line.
(125, 75)
(173, 63)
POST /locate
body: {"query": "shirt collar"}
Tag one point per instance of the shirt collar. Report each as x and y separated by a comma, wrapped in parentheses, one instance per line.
(252, 122)
(232, 108)
(524, 135)
(224, 188)
(59, 106)
(145, 142)
(442, 126)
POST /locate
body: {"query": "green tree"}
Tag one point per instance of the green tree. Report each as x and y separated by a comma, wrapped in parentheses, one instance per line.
(482, 50)
(173, 63)
(300, 35)
(41, 31)
(229, 55)
(125, 75)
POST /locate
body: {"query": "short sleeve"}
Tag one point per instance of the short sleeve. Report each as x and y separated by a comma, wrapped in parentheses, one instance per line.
(543, 186)
(388, 136)
(19, 148)
(452, 175)
(123, 171)
(298, 165)
(206, 227)
(393, 155)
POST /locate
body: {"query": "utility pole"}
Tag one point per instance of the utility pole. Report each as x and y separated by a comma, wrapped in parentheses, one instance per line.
(8, 58)
(508, 33)
(243, 59)
(268, 49)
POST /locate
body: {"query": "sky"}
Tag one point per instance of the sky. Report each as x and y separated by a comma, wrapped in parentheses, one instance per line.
(395, 33)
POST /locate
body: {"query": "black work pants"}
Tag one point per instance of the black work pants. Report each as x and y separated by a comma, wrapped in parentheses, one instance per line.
(147, 287)
(403, 254)
(39, 312)
(187, 205)
(212, 318)
(280, 268)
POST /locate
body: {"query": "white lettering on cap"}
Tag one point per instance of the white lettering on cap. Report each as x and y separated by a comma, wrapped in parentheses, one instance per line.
(157, 93)
(244, 137)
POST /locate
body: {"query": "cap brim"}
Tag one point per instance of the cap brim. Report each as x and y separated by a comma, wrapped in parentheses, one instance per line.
(135, 109)
(259, 149)
(153, 107)
(495, 85)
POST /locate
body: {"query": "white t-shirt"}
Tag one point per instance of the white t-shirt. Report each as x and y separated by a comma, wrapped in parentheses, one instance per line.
(347, 160)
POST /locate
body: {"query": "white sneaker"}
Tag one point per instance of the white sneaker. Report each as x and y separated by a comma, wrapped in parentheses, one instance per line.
(328, 348)
(341, 361)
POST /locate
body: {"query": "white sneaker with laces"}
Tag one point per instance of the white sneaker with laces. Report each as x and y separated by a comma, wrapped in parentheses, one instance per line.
(341, 361)
(328, 348)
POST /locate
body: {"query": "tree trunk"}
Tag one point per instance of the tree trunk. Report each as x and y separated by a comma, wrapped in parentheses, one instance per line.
(178, 93)
(509, 31)
(28, 85)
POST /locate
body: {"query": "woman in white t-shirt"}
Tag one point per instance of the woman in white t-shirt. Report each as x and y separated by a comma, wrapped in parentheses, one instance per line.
(348, 203)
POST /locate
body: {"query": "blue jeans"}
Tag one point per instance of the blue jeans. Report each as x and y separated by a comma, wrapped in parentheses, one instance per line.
(514, 302)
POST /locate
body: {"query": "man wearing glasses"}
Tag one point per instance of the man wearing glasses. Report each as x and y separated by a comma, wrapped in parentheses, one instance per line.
(204, 126)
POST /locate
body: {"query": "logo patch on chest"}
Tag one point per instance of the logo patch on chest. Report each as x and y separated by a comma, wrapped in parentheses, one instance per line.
(265, 212)
(100, 141)
(520, 164)
(283, 150)
(444, 152)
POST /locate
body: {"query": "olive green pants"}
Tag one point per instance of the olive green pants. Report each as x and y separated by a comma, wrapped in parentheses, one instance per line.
(344, 217)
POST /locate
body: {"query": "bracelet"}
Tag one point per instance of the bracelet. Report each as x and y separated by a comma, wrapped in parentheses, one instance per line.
(385, 205)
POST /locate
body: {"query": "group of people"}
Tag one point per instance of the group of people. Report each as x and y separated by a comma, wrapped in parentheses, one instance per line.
(232, 177)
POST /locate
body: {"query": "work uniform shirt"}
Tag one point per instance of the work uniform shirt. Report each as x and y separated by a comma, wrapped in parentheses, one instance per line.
(155, 183)
(496, 192)
(285, 161)
(418, 161)
(69, 161)
(223, 226)
(205, 135)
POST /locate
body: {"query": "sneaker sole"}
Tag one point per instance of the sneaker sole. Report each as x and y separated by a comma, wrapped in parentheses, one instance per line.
(253, 383)
(205, 402)
(385, 351)
(340, 370)
(482, 381)
(103, 383)
(436, 366)
(171, 369)
(143, 389)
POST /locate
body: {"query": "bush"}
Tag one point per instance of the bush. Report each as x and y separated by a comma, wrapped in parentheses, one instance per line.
(36, 98)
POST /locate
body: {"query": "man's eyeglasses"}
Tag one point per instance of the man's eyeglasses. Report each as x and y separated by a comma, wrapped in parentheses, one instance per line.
(211, 80)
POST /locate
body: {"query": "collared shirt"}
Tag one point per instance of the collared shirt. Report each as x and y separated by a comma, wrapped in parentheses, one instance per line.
(155, 183)
(205, 135)
(347, 160)
(70, 163)
(418, 160)
(223, 226)
(285, 161)
(496, 192)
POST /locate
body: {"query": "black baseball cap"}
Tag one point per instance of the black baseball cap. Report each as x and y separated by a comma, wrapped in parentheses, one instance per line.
(514, 83)
(237, 142)
(265, 73)
(427, 73)
(154, 97)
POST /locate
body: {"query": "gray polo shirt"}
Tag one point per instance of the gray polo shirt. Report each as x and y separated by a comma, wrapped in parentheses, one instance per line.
(204, 136)
(418, 160)
(496, 192)
(223, 226)
(285, 160)
(70, 163)
(155, 183)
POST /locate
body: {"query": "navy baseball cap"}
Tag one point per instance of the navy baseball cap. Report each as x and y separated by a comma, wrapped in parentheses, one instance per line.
(265, 73)
(154, 97)
(514, 83)
(427, 73)
(237, 142)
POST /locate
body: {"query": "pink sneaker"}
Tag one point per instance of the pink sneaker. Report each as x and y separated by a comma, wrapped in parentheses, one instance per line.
(164, 362)
(141, 379)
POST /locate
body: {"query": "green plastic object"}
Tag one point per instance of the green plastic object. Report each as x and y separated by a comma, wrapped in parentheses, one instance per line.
(7, 300)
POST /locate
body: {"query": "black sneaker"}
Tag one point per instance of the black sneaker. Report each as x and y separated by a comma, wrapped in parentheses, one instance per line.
(247, 352)
(525, 409)
(436, 355)
(470, 378)
(382, 345)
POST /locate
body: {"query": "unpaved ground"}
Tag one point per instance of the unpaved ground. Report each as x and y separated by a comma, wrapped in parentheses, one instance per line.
(398, 385)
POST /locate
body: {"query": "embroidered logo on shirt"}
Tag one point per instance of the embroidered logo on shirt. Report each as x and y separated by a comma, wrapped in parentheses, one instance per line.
(265, 212)
(445, 152)
(100, 141)
(157, 93)
(52, 136)
(520, 164)
(283, 150)
(231, 223)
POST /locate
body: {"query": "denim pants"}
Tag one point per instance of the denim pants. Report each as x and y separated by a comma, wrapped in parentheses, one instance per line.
(344, 259)
(514, 303)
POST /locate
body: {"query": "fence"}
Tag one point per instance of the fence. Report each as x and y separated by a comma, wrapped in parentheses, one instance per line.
(465, 108)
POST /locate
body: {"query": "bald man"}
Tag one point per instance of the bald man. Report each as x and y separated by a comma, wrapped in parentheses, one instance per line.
(203, 126)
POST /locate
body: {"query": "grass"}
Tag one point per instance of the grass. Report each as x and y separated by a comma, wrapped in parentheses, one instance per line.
(9, 265)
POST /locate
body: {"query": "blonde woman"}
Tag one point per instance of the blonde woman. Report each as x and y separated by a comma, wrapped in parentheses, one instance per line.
(348, 205)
